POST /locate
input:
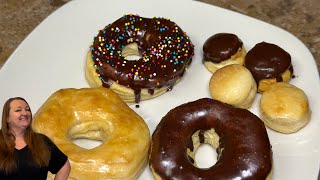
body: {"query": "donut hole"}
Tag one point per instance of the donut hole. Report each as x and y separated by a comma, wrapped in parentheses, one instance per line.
(205, 144)
(88, 135)
(87, 143)
(205, 156)
(131, 52)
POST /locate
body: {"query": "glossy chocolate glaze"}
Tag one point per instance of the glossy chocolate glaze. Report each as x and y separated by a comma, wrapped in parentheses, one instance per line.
(164, 47)
(244, 151)
(220, 47)
(267, 61)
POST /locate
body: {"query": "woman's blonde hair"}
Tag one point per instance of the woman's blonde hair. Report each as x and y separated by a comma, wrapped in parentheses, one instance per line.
(38, 149)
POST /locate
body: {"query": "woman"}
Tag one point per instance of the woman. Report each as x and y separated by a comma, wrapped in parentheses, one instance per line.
(25, 154)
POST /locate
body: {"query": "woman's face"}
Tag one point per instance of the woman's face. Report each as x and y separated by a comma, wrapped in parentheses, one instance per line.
(19, 115)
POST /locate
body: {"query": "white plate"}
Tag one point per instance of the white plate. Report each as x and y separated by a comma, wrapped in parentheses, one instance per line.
(53, 56)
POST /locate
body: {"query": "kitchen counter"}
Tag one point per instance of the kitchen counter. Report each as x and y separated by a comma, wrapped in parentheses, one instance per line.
(301, 18)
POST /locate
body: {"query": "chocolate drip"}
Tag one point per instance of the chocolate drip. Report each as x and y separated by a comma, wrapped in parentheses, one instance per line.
(106, 82)
(151, 91)
(189, 144)
(267, 61)
(291, 71)
(201, 136)
(137, 95)
(191, 159)
(169, 88)
(279, 79)
(220, 47)
(244, 143)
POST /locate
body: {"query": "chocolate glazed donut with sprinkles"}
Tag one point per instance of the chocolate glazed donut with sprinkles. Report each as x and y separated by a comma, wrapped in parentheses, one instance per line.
(139, 58)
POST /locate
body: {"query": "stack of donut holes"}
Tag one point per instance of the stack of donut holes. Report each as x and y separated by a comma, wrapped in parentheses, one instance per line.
(266, 69)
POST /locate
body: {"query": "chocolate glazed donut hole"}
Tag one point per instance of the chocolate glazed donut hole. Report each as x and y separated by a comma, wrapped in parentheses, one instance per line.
(269, 64)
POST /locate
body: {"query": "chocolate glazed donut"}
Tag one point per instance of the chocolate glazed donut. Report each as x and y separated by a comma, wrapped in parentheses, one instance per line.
(165, 49)
(244, 150)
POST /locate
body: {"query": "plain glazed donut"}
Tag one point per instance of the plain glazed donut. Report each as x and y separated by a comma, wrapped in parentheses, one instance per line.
(223, 49)
(165, 52)
(268, 64)
(240, 138)
(98, 114)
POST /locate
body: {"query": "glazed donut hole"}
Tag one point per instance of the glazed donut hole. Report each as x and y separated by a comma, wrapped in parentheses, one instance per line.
(200, 138)
(234, 85)
(285, 108)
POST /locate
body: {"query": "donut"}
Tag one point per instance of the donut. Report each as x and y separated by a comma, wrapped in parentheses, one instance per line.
(268, 64)
(164, 52)
(285, 108)
(233, 84)
(239, 136)
(222, 49)
(97, 114)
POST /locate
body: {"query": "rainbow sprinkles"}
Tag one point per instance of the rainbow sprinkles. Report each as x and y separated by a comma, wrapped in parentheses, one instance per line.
(164, 52)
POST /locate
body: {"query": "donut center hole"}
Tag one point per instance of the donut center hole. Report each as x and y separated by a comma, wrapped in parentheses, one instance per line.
(131, 52)
(88, 135)
(204, 154)
(87, 143)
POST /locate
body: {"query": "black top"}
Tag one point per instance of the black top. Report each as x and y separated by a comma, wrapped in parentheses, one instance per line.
(28, 170)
